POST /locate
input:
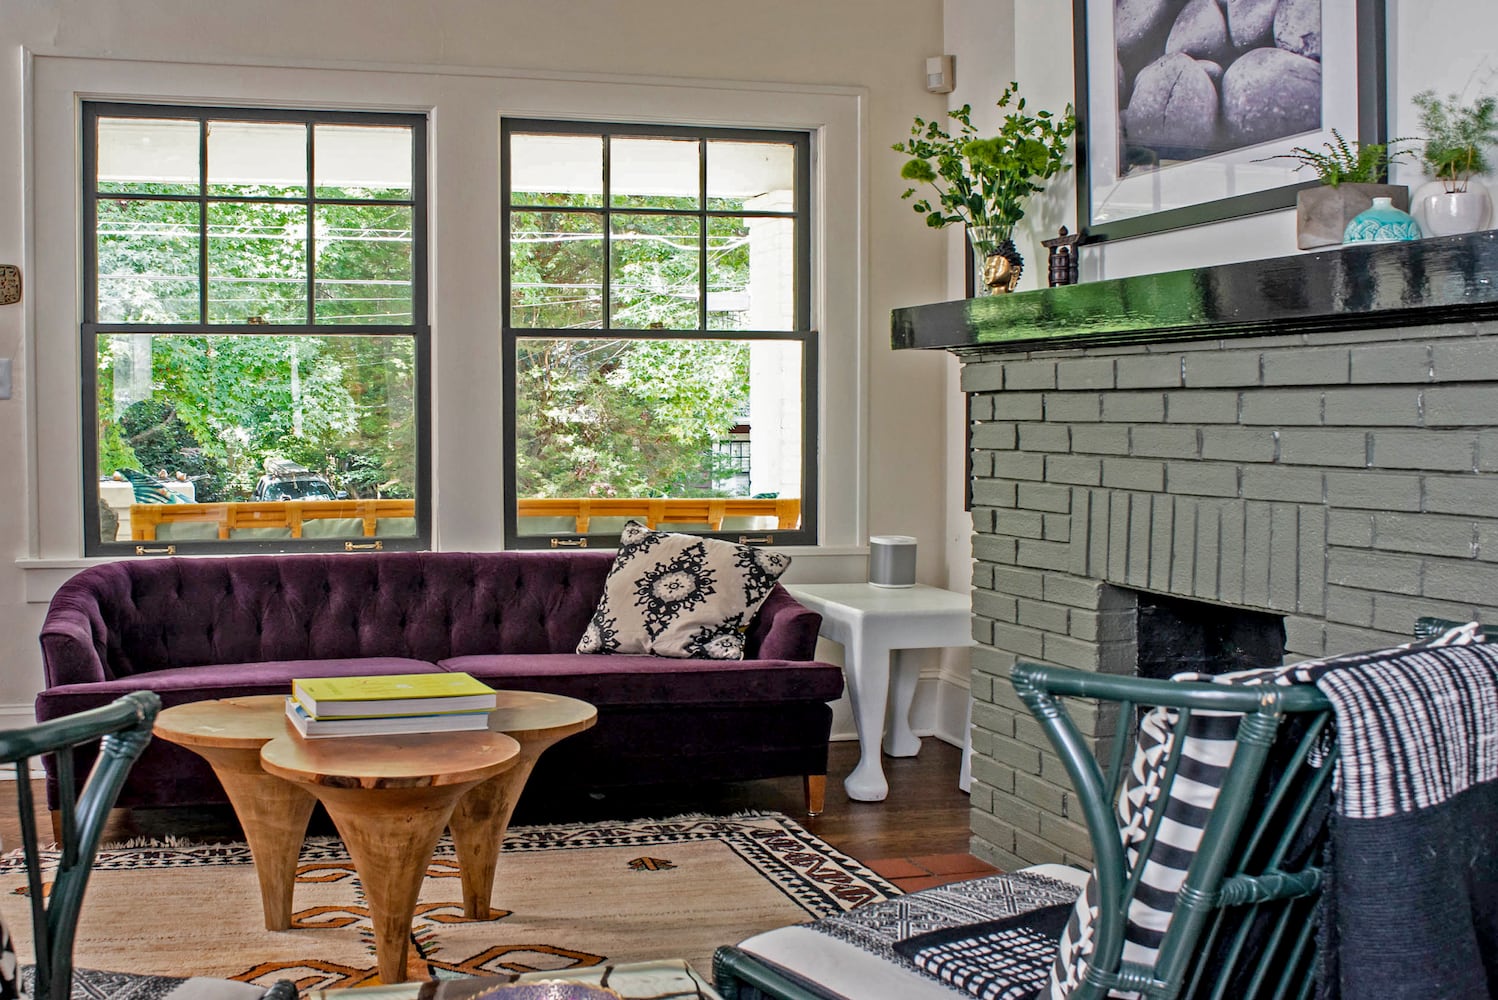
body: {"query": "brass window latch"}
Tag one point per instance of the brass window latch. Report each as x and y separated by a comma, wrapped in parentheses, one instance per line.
(363, 546)
(756, 539)
(569, 543)
(162, 550)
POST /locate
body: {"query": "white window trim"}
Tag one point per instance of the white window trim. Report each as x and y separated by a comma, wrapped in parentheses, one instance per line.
(465, 108)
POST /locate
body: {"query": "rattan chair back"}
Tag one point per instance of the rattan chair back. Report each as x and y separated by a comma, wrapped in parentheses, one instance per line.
(121, 729)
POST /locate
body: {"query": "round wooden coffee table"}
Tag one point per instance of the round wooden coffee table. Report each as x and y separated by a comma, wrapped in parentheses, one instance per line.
(479, 822)
(390, 798)
(228, 733)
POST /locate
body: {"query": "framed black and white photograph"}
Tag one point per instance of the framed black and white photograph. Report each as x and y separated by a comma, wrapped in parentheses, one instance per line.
(1183, 105)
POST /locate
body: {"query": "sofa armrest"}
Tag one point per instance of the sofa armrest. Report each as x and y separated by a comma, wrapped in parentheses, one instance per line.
(784, 629)
(73, 644)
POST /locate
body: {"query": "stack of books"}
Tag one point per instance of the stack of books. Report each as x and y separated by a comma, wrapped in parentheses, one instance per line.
(389, 705)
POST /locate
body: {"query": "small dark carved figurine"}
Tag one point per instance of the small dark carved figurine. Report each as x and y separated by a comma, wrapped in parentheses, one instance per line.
(1062, 261)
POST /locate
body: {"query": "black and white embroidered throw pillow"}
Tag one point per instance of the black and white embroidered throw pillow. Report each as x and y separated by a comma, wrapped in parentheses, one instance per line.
(679, 595)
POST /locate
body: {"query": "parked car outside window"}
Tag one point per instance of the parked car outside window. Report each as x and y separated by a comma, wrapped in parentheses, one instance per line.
(288, 482)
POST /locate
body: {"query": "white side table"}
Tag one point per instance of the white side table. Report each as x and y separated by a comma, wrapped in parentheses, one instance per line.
(872, 623)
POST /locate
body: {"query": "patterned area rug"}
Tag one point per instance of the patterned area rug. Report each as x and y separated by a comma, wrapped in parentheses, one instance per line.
(565, 896)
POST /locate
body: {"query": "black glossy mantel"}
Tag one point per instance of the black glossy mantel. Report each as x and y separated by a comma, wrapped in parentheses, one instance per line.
(1450, 279)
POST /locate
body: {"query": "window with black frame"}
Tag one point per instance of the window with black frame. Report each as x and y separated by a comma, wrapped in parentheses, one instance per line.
(254, 346)
(659, 356)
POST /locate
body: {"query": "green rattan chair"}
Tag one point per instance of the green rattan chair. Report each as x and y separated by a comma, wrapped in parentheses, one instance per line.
(1244, 923)
(121, 729)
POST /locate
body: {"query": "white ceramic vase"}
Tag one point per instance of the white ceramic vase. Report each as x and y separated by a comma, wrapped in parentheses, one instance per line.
(1446, 213)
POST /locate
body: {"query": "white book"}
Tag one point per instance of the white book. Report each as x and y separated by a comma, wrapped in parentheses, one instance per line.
(394, 725)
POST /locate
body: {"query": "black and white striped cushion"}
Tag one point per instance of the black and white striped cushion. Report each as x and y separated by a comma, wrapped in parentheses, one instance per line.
(10, 972)
(1206, 753)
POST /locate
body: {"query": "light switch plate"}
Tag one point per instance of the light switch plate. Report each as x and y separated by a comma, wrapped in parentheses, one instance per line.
(10, 284)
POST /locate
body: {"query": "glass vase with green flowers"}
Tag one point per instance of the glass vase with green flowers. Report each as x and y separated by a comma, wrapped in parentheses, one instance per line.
(985, 182)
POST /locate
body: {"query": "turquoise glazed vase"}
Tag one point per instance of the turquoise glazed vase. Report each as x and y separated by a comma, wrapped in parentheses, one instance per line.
(1383, 223)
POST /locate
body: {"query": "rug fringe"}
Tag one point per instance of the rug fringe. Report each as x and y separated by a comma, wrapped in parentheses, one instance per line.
(168, 841)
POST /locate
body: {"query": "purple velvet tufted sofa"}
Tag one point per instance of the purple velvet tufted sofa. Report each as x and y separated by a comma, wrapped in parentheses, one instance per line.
(192, 629)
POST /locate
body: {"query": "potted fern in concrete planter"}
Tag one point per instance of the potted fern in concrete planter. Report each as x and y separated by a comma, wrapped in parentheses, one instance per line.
(1458, 137)
(1351, 175)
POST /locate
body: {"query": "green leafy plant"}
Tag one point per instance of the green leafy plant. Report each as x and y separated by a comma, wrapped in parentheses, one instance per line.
(1458, 136)
(984, 182)
(1347, 162)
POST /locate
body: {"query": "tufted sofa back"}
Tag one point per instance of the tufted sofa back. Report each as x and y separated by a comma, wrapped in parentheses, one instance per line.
(157, 614)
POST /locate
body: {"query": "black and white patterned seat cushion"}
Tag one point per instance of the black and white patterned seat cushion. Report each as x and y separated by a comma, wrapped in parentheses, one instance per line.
(678, 595)
(95, 984)
(854, 954)
(878, 950)
(1007, 959)
(877, 927)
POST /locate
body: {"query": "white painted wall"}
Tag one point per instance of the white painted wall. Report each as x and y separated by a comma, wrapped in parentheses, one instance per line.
(1444, 44)
(980, 34)
(776, 61)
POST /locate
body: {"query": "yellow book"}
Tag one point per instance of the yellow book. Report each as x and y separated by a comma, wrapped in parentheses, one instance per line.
(383, 696)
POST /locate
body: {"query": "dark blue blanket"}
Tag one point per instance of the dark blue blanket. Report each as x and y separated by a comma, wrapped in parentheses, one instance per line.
(1413, 906)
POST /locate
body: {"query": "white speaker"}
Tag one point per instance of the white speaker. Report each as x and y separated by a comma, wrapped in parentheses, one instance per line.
(892, 560)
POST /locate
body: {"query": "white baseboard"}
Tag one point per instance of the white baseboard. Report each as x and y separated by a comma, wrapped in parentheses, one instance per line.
(17, 716)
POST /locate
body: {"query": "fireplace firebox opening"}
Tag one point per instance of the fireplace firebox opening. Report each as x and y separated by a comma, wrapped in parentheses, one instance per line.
(1175, 635)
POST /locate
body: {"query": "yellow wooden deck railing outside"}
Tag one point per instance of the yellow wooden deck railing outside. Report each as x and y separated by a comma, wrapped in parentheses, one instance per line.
(664, 511)
(145, 518)
(293, 515)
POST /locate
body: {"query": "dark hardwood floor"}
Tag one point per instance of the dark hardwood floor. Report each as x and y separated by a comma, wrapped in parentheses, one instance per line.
(925, 812)
(924, 815)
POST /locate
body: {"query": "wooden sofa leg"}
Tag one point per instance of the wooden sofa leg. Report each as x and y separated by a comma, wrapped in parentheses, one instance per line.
(117, 826)
(816, 793)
